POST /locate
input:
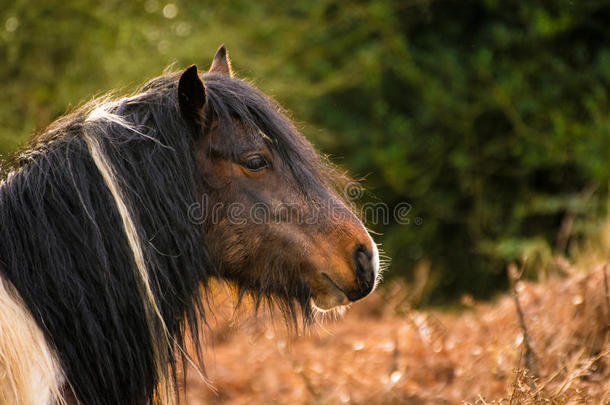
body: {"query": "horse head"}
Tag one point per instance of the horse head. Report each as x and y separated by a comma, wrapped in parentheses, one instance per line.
(277, 224)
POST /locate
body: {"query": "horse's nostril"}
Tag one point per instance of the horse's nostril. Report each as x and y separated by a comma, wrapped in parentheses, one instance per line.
(363, 258)
(365, 271)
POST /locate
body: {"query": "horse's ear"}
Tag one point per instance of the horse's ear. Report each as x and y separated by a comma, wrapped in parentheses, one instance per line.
(191, 95)
(221, 63)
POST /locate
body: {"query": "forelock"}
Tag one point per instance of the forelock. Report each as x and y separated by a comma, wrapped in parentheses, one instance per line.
(232, 99)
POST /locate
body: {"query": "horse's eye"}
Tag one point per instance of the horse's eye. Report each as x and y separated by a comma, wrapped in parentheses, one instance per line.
(256, 163)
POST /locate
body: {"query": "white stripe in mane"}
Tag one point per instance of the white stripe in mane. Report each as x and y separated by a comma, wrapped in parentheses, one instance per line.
(150, 305)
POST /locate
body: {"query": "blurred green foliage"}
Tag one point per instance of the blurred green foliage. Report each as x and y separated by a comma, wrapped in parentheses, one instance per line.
(489, 117)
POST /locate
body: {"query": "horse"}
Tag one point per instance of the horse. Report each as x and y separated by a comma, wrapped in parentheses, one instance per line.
(104, 265)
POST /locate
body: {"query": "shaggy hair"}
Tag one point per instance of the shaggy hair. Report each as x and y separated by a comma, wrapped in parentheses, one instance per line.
(96, 239)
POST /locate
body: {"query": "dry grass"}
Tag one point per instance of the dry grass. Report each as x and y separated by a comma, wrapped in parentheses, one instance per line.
(384, 353)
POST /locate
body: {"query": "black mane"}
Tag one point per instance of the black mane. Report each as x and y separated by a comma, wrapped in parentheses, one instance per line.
(63, 246)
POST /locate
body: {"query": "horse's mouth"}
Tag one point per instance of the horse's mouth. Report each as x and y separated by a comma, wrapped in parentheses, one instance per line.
(328, 294)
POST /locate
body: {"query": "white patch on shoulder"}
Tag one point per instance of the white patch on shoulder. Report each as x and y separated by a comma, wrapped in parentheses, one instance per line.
(30, 372)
